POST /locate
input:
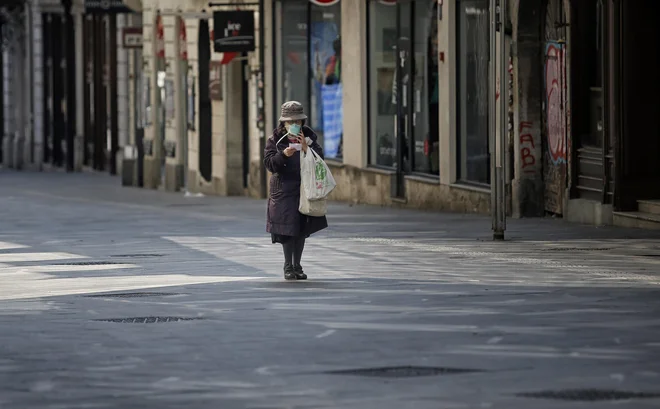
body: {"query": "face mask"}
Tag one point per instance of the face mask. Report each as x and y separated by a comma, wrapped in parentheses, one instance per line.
(294, 129)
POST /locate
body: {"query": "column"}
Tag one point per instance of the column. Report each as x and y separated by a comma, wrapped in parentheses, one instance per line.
(122, 102)
(80, 75)
(69, 81)
(8, 139)
(354, 55)
(38, 86)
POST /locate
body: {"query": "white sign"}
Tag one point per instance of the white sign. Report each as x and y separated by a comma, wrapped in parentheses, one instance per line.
(132, 37)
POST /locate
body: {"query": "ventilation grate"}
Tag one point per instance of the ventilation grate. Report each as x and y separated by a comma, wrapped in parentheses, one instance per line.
(403, 371)
(131, 295)
(148, 320)
(577, 249)
(589, 395)
(88, 263)
(140, 255)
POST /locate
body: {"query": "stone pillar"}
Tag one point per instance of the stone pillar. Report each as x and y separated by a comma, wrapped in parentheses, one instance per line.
(355, 94)
(79, 60)
(152, 133)
(8, 139)
(174, 144)
(231, 140)
(527, 186)
(27, 83)
(122, 101)
(37, 86)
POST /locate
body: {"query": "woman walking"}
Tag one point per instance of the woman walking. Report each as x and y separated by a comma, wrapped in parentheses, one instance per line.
(282, 158)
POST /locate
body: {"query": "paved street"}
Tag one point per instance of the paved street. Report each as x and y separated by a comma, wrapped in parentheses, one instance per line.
(116, 297)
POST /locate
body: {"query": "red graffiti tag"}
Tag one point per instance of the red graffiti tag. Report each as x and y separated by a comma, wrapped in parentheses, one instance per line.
(527, 156)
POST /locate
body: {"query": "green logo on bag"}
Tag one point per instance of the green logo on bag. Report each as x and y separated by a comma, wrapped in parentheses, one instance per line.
(320, 171)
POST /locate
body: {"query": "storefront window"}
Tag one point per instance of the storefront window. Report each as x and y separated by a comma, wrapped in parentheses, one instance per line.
(419, 109)
(425, 83)
(325, 81)
(309, 66)
(293, 66)
(382, 66)
(473, 53)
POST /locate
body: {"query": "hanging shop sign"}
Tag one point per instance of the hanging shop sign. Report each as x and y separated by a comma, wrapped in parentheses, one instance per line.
(225, 58)
(132, 37)
(234, 31)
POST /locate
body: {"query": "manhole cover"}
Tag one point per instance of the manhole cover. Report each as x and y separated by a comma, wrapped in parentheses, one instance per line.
(148, 320)
(136, 255)
(589, 395)
(130, 295)
(88, 263)
(403, 371)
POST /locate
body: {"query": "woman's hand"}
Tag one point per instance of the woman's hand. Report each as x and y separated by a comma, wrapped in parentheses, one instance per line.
(303, 141)
(288, 152)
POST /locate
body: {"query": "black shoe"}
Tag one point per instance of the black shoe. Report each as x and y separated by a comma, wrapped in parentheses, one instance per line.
(289, 273)
(298, 271)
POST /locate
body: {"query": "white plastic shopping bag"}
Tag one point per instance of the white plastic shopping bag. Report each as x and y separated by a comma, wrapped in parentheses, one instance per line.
(316, 208)
(316, 179)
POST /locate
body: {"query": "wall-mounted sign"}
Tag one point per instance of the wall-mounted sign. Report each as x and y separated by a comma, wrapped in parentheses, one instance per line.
(107, 6)
(233, 31)
(215, 80)
(132, 37)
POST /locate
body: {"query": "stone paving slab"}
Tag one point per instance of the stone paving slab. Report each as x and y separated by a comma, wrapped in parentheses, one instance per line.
(558, 307)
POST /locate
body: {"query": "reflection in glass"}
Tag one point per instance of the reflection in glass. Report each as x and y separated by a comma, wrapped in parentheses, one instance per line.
(425, 86)
(293, 54)
(473, 91)
(325, 82)
(382, 64)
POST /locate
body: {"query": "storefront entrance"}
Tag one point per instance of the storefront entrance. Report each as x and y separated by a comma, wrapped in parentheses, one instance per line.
(415, 92)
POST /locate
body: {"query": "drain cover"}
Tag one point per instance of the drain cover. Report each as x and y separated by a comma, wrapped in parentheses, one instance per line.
(130, 295)
(148, 320)
(403, 371)
(87, 263)
(576, 249)
(137, 255)
(589, 395)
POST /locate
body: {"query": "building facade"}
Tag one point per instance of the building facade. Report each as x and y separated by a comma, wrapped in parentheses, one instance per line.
(397, 90)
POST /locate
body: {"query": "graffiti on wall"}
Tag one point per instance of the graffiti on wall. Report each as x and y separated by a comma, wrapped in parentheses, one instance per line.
(555, 146)
(555, 103)
(527, 148)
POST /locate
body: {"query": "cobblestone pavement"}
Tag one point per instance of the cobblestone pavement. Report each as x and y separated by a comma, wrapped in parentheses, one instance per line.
(114, 297)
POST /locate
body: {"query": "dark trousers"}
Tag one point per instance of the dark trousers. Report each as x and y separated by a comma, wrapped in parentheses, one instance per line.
(293, 250)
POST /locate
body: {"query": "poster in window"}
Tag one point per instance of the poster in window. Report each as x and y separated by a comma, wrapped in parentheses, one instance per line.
(385, 80)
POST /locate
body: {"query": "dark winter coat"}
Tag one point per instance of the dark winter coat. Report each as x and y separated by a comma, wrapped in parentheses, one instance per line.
(283, 217)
